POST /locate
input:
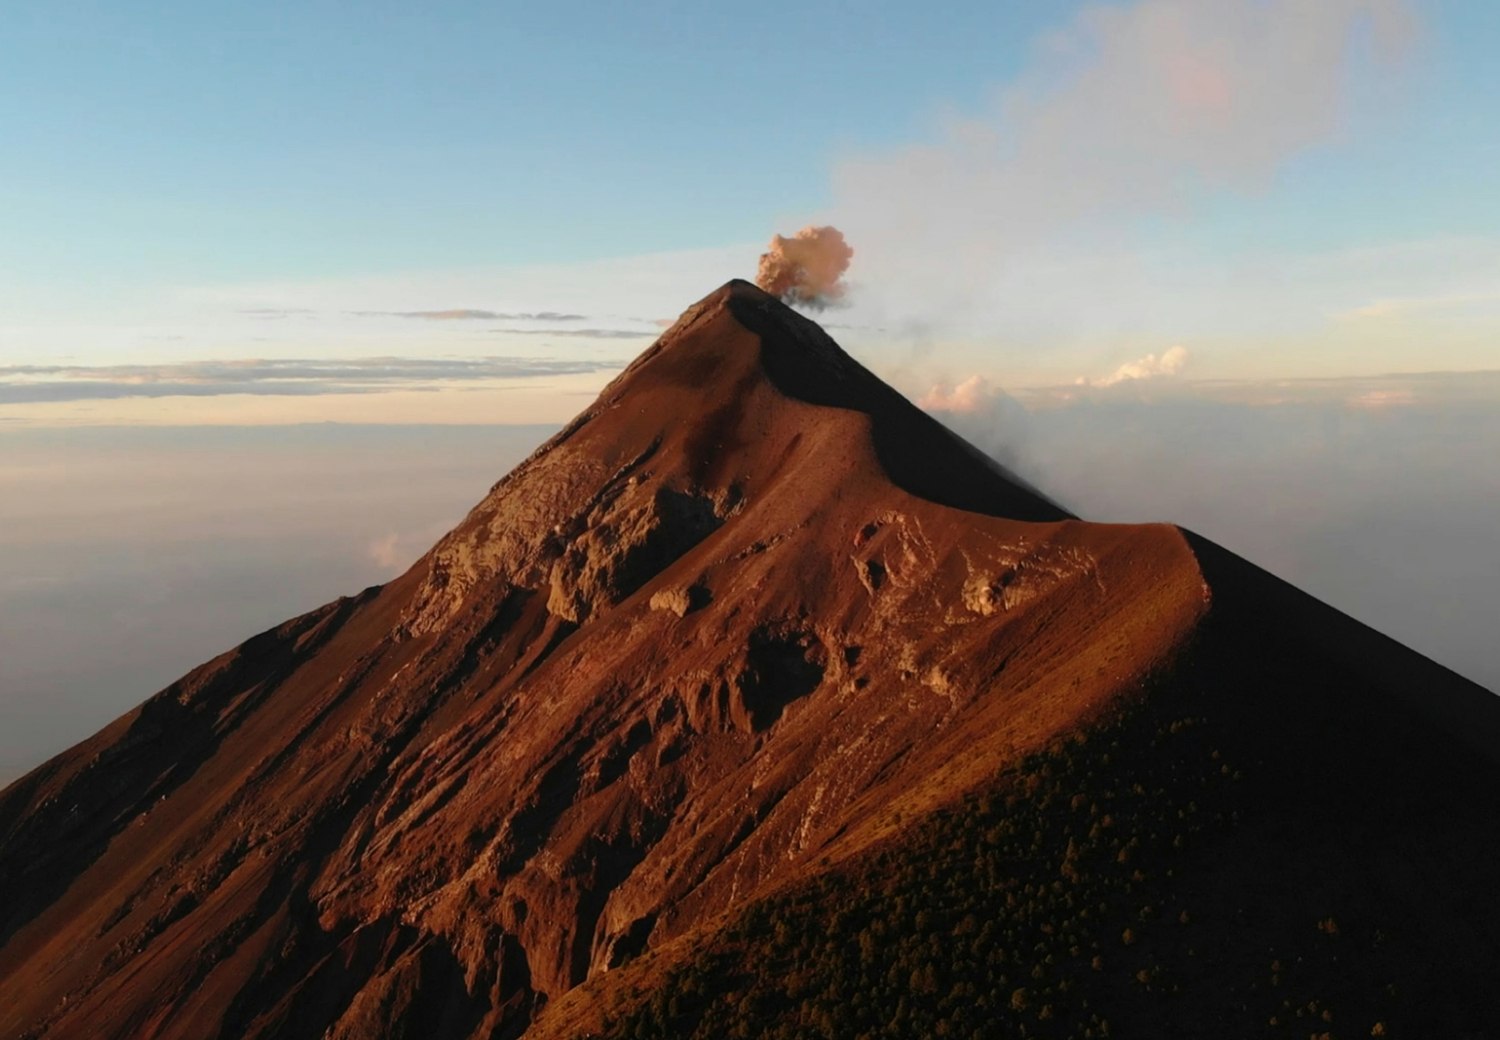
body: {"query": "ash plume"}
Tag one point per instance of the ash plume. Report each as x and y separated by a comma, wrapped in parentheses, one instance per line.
(807, 268)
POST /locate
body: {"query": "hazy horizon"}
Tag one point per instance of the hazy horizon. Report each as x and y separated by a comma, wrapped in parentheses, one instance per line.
(135, 554)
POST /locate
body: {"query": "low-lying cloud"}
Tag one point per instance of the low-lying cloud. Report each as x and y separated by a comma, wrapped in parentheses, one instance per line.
(29, 384)
(204, 537)
(1373, 493)
(969, 395)
(1169, 362)
(1382, 399)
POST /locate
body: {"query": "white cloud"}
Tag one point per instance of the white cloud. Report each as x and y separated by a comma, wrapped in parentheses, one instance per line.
(1128, 111)
(384, 552)
(1169, 362)
(272, 377)
(393, 552)
(970, 395)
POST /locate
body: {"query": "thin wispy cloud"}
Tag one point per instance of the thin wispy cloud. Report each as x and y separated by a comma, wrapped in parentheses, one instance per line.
(1437, 390)
(1401, 305)
(473, 314)
(272, 313)
(583, 333)
(29, 384)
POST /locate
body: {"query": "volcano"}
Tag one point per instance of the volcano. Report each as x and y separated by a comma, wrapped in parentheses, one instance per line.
(757, 703)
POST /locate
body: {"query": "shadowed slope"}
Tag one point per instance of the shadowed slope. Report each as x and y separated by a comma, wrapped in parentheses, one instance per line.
(1260, 846)
(63, 814)
(1264, 610)
(917, 452)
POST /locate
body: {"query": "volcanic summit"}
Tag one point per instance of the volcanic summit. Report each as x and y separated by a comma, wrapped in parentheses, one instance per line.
(756, 702)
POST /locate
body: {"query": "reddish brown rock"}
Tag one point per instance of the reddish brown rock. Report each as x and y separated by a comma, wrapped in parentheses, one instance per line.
(741, 618)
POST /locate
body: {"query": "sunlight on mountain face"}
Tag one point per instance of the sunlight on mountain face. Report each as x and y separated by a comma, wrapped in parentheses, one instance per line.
(126, 557)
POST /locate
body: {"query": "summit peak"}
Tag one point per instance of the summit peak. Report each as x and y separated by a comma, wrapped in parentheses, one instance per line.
(739, 356)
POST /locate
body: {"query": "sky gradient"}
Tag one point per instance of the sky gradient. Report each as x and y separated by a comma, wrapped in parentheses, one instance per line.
(285, 287)
(1045, 192)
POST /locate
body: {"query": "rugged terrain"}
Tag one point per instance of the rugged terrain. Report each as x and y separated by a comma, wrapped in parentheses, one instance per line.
(751, 655)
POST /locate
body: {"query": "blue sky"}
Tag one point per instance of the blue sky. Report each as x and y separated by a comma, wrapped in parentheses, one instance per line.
(173, 174)
(306, 139)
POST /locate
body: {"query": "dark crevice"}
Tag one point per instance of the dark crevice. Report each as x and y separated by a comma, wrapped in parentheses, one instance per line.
(779, 669)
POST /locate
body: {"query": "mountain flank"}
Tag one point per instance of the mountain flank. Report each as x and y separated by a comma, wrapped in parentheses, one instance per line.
(757, 703)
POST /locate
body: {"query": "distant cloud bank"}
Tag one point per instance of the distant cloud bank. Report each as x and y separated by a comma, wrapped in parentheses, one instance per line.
(1374, 493)
(28, 384)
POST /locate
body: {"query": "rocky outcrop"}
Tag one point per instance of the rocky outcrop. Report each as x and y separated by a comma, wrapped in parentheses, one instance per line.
(624, 544)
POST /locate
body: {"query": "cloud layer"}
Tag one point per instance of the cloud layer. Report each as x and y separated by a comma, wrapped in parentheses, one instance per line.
(1375, 494)
(28, 384)
(1129, 111)
(971, 395)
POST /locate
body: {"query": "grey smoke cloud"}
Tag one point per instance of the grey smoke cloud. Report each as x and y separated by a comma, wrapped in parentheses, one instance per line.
(807, 268)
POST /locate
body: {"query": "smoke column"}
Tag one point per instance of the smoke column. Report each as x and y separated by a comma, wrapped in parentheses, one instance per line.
(807, 268)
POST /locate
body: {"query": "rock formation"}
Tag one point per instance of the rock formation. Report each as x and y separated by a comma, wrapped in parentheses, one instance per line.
(747, 618)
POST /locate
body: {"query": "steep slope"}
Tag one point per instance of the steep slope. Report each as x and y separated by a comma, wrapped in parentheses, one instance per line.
(739, 624)
(1292, 831)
